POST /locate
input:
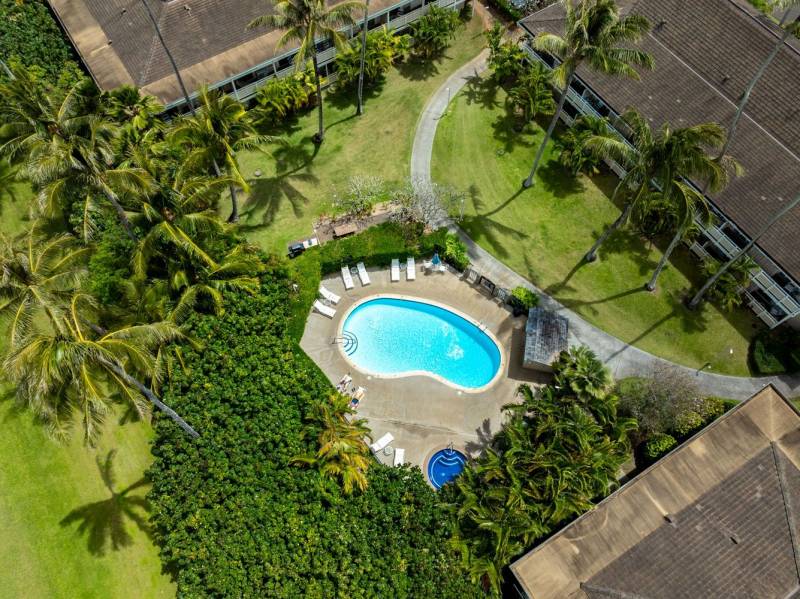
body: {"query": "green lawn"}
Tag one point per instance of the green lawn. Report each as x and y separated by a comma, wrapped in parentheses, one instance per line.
(58, 521)
(299, 179)
(544, 231)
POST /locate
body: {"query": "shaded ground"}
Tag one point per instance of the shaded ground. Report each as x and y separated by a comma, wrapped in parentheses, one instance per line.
(300, 179)
(543, 232)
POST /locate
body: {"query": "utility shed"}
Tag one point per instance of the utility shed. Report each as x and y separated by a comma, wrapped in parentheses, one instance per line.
(545, 337)
(717, 517)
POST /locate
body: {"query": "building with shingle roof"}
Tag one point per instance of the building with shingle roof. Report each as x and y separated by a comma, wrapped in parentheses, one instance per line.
(208, 38)
(717, 517)
(705, 55)
(546, 336)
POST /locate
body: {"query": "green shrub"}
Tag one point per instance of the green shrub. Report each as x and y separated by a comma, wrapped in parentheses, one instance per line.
(281, 97)
(384, 49)
(507, 9)
(658, 445)
(31, 37)
(524, 298)
(776, 351)
(687, 423)
(506, 57)
(455, 252)
(714, 407)
(233, 518)
(433, 32)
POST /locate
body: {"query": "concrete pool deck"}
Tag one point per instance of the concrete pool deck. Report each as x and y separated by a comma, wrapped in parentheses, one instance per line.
(422, 413)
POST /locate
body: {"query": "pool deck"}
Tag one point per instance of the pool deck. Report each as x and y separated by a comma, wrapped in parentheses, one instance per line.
(422, 413)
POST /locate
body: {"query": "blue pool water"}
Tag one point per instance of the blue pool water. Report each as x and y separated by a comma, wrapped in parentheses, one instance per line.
(397, 336)
(444, 466)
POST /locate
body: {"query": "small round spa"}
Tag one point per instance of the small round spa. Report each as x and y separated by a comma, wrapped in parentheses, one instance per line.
(444, 466)
(389, 336)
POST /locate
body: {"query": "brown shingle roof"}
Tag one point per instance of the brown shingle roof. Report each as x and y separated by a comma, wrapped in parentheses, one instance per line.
(208, 39)
(705, 53)
(715, 518)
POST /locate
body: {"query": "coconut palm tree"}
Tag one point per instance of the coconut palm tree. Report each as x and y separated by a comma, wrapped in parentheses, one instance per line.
(71, 370)
(742, 252)
(67, 152)
(214, 134)
(304, 22)
(180, 214)
(37, 276)
(595, 36)
(688, 159)
(342, 455)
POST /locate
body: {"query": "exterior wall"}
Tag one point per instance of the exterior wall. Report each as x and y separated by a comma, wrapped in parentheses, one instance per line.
(244, 85)
(773, 295)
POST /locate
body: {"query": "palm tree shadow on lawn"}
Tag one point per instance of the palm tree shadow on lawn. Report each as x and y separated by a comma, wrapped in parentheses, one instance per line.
(482, 91)
(558, 181)
(106, 523)
(268, 194)
(491, 232)
(420, 69)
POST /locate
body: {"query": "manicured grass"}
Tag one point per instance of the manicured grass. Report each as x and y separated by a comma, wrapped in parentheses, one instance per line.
(544, 231)
(42, 482)
(299, 179)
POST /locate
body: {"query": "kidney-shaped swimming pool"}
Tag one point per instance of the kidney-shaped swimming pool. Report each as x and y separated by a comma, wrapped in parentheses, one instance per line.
(390, 336)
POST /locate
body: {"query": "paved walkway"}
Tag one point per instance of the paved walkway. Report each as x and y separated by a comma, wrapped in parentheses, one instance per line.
(622, 358)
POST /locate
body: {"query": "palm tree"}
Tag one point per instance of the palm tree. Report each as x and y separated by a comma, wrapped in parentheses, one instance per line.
(37, 277)
(214, 134)
(342, 452)
(658, 159)
(67, 152)
(688, 159)
(71, 370)
(8, 176)
(179, 214)
(738, 255)
(202, 285)
(579, 371)
(532, 93)
(593, 32)
(304, 22)
(362, 60)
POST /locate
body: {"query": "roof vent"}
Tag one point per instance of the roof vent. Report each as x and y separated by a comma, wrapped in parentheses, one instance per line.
(661, 24)
(670, 518)
(734, 539)
(124, 10)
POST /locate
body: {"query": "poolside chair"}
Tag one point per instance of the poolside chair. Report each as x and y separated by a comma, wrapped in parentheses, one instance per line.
(381, 443)
(328, 295)
(395, 270)
(323, 309)
(348, 280)
(363, 274)
(399, 456)
(411, 269)
(343, 382)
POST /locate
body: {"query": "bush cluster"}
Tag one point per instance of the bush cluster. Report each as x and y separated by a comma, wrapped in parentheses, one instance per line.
(776, 351)
(232, 517)
(658, 445)
(29, 35)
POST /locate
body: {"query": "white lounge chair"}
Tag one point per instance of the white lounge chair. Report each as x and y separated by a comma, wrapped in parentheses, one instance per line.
(399, 456)
(324, 310)
(382, 442)
(362, 273)
(395, 270)
(328, 295)
(348, 280)
(411, 269)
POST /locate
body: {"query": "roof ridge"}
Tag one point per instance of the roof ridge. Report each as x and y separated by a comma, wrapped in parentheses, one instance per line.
(154, 43)
(765, 24)
(791, 521)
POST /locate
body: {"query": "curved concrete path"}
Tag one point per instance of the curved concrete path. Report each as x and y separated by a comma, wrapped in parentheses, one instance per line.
(622, 358)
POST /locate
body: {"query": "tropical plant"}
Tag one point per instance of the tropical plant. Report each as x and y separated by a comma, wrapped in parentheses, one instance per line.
(342, 453)
(214, 134)
(658, 445)
(383, 49)
(506, 58)
(134, 113)
(532, 94)
(8, 177)
(38, 275)
(595, 36)
(659, 160)
(689, 159)
(727, 290)
(67, 149)
(361, 195)
(72, 370)
(280, 97)
(525, 298)
(579, 372)
(432, 33)
(304, 22)
(573, 153)
(550, 460)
